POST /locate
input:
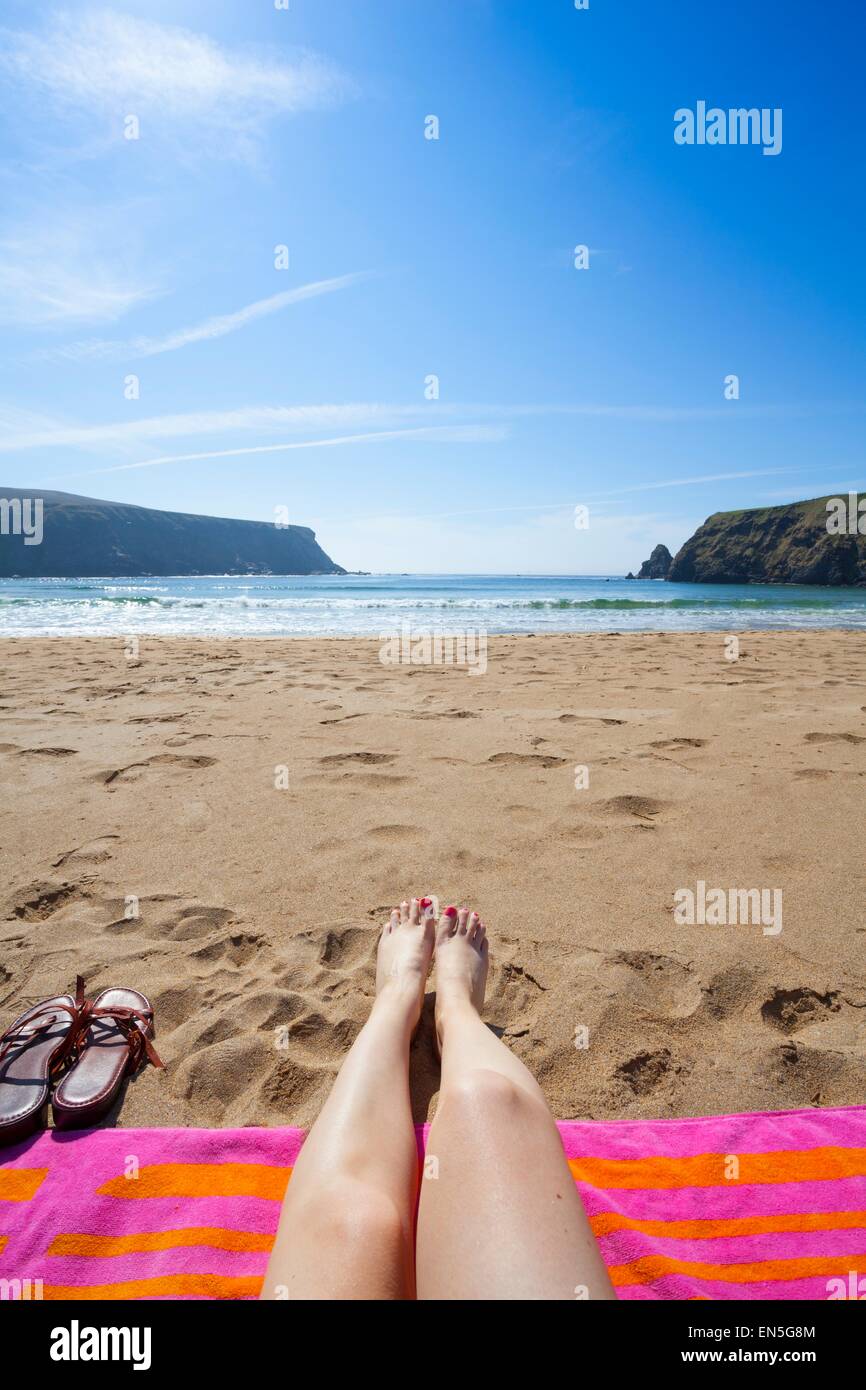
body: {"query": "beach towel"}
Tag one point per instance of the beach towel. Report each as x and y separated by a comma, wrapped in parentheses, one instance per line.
(759, 1206)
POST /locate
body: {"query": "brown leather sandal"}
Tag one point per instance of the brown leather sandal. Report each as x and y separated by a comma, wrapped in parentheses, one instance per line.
(112, 1039)
(33, 1050)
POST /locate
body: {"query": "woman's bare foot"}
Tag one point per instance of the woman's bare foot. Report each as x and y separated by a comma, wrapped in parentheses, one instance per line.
(461, 963)
(403, 960)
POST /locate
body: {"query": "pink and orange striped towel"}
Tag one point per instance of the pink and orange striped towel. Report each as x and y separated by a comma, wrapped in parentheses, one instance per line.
(726, 1207)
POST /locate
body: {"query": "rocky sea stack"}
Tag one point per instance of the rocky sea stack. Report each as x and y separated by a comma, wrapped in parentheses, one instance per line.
(658, 564)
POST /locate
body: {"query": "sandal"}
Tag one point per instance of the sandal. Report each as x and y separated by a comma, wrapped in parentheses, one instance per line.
(32, 1050)
(112, 1039)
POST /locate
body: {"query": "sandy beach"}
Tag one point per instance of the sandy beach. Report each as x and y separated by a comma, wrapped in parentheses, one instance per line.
(225, 824)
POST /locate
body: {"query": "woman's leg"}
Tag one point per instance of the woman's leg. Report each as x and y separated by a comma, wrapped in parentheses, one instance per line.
(346, 1230)
(500, 1216)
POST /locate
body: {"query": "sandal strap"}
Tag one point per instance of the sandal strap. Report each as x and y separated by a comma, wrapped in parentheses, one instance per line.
(21, 1033)
(129, 1021)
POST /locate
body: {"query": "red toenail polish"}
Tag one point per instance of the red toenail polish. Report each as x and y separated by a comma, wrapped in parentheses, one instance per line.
(425, 902)
(451, 912)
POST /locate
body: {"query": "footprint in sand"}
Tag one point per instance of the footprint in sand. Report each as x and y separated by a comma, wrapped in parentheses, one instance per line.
(345, 949)
(516, 995)
(368, 759)
(274, 1008)
(172, 916)
(792, 1009)
(156, 719)
(673, 745)
(813, 1076)
(394, 832)
(731, 992)
(42, 900)
(633, 808)
(177, 1004)
(221, 1074)
(381, 781)
(174, 762)
(47, 752)
(526, 760)
(587, 718)
(447, 714)
(218, 1030)
(662, 986)
(238, 948)
(834, 738)
(94, 852)
(190, 923)
(294, 1087)
(645, 1072)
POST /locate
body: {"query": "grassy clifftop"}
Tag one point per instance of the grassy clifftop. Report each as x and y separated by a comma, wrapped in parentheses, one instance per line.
(772, 545)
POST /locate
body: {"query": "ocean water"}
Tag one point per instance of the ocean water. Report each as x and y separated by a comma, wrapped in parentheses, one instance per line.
(370, 605)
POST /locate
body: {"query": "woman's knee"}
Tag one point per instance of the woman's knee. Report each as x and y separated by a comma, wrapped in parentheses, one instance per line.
(481, 1091)
(357, 1215)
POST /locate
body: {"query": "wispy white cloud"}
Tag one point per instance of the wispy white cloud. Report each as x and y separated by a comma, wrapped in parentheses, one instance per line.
(310, 418)
(439, 434)
(179, 84)
(649, 414)
(16, 421)
(298, 419)
(693, 481)
(216, 327)
(58, 271)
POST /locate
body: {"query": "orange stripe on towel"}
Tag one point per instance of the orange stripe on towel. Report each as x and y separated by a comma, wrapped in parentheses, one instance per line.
(201, 1180)
(651, 1267)
(20, 1184)
(167, 1286)
(4, 1241)
(216, 1237)
(606, 1221)
(710, 1170)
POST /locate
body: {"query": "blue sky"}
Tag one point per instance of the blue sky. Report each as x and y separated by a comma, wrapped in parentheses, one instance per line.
(411, 257)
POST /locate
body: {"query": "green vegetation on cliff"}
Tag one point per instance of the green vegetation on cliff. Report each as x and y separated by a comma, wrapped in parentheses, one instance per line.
(777, 545)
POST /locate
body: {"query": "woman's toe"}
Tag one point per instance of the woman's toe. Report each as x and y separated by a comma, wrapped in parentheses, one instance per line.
(447, 924)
